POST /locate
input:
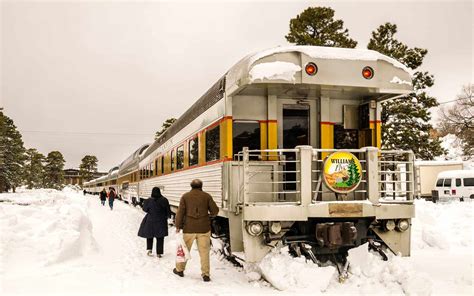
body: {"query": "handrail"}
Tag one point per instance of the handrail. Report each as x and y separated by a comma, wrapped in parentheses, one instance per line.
(386, 176)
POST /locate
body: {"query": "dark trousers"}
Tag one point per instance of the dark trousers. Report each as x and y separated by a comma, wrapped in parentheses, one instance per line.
(159, 244)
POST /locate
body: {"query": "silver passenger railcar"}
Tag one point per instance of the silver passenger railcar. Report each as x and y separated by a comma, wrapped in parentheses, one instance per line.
(288, 144)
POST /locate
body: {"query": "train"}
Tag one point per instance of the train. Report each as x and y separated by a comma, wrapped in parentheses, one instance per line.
(288, 144)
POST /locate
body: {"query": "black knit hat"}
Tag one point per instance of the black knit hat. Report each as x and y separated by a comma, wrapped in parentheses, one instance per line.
(156, 192)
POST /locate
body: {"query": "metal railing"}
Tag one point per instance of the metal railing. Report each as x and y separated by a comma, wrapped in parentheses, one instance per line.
(396, 176)
(294, 176)
(274, 180)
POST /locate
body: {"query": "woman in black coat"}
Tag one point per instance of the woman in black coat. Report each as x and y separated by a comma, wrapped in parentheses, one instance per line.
(103, 196)
(155, 222)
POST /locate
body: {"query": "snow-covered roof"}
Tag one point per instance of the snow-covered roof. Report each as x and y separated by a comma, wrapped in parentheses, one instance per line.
(457, 174)
(281, 65)
(334, 53)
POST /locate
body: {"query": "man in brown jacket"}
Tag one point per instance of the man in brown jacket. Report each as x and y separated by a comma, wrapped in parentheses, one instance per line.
(193, 217)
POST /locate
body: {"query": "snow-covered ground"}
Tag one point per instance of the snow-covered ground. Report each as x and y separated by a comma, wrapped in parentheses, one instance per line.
(66, 243)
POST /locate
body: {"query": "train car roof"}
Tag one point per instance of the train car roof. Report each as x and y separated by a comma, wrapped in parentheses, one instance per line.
(238, 76)
(279, 67)
(132, 160)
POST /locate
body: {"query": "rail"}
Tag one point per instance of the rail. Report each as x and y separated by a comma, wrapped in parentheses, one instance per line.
(273, 180)
(295, 176)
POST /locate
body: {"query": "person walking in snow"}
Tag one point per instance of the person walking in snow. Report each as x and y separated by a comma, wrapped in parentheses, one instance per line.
(196, 208)
(103, 196)
(112, 197)
(155, 222)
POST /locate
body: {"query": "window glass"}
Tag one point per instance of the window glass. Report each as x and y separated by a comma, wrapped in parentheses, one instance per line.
(245, 134)
(213, 144)
(193, 151)
(458, 182)
(447, 182)
(345, 138)
(172, 160)
(162, 164)
(180, 157)
(469, 182)
(439, 183)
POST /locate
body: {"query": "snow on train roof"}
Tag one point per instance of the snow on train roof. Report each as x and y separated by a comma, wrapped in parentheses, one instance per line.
(336, 53)
(285, 71)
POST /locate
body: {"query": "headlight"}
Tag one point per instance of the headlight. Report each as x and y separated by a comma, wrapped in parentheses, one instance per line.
(403, 225)
(255, 228)
(389, 225)
(276, 227)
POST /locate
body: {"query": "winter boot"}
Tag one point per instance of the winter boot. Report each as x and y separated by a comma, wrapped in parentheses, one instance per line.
(149, 253)
(180, 273)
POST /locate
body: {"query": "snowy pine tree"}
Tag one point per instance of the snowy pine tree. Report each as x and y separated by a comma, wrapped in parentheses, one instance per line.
(33, 171)
(405, 121)
(12, 155)
(88, 167)
(316, 26)
(54, 175)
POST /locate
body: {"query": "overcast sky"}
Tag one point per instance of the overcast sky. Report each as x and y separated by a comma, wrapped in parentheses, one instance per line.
(100, 77)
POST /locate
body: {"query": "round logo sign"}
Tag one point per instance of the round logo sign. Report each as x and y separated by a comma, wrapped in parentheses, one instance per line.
(342, 172)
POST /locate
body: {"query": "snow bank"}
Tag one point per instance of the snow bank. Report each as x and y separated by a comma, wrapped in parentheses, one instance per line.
(287, 273)
(370, 275)
(44, 227)
(48, 247)
(442, 225)
(274, 71)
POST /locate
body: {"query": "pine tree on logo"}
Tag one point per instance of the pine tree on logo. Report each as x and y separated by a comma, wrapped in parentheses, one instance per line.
(354, 175)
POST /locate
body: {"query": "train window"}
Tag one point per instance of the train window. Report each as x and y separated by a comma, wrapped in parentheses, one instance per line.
(193, 151)
(246, 134)
(213, 144)
(458, 182)
(180, 157)
(345, 138)
(162, 164)
(469, 182)
(439, 183)
(447, 182)
(172, 160)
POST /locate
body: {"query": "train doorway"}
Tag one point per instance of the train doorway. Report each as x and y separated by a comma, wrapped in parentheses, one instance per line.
(296, 127)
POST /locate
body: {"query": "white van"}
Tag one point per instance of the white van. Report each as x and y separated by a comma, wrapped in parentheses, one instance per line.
(454, 185)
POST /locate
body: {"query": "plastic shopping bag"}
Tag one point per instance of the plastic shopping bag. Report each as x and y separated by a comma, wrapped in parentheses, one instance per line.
(182, 252)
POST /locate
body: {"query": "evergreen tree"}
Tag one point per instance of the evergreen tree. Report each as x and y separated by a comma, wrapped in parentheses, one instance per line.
(11, 155)
(33, 171)
(168, 122)
(88, 167)
(405, 121)
(317, 26)
(54, 175)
